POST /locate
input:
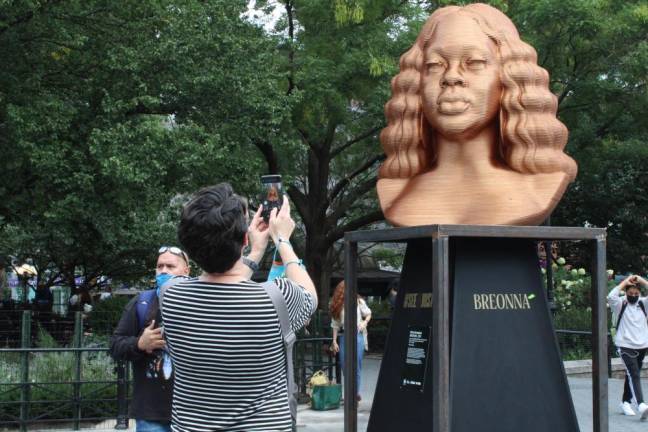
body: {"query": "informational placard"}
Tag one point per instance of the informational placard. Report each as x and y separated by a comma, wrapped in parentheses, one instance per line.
(416, 357)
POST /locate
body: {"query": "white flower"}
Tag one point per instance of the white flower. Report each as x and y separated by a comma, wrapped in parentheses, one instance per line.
(610, 272)
(563, 282)
(574, 272)
(582, 272)
(561, 261)
(568, 303)
(543, 270)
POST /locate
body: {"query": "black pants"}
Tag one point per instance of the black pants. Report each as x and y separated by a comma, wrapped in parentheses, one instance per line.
(633, 360)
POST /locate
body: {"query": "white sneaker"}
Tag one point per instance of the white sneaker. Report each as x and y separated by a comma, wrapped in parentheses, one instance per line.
(643, 410)
(627, 409)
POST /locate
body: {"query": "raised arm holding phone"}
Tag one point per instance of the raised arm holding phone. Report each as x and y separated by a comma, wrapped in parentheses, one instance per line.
(222, 329)
(281, 227)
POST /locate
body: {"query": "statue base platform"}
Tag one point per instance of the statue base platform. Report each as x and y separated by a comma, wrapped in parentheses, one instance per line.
(506, 373)
(498, 362)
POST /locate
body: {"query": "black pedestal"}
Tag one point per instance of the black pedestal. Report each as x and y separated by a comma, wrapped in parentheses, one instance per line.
(397, 407)
(505, 369)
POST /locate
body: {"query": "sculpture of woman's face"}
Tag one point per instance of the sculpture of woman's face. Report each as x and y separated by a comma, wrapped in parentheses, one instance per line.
(460, 78)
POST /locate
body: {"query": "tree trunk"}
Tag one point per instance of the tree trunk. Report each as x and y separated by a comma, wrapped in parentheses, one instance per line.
(318, 259)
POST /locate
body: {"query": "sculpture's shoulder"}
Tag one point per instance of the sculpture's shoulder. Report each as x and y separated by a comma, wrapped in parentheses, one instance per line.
(503, 197)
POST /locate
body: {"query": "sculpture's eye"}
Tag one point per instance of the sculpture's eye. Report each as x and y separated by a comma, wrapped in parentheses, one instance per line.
(435, 65)
(476, 63)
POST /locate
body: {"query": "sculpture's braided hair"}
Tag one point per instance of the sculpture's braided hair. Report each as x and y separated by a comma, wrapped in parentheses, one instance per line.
(531, 138)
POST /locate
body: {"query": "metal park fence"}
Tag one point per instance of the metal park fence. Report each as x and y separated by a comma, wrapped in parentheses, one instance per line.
(67, 386)
(79, 384)
(76, 383)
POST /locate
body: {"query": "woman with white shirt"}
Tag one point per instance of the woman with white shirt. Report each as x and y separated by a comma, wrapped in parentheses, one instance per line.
(337, 324)
(629, 312)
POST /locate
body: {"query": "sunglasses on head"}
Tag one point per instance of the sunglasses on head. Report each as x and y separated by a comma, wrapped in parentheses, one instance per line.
(175, 251)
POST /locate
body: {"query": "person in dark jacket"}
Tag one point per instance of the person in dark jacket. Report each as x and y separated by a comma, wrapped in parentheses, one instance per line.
(142, 345)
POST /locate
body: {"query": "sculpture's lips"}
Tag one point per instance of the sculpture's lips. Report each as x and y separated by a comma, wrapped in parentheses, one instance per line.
(452, 106)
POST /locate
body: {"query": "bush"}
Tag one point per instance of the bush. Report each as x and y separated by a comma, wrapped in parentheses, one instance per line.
(381, 315)
(106, 314)
(574, 319)
(98, 398)
(572, 286)
(572, 298)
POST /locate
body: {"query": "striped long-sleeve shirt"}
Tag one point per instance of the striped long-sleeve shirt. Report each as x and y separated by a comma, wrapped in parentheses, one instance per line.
(227, 350)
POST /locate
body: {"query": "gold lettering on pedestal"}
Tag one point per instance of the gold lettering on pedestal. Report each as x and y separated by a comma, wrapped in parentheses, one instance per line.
(410, 301)
(500, 301)
(426, 300)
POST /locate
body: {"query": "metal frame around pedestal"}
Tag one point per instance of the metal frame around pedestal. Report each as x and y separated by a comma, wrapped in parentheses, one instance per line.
(440, 236)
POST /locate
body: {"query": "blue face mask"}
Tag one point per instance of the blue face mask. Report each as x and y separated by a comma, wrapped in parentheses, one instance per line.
(278, 269)
(161, 279)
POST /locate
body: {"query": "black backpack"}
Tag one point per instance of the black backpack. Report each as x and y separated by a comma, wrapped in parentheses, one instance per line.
(623, 308)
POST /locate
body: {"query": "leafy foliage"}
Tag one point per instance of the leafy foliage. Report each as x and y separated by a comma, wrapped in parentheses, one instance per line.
(106, 314)
(597, 55)
(58, 370)
(110, 114)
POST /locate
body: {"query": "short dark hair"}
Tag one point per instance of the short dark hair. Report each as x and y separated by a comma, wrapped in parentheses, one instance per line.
(637, 287)
(212, 228)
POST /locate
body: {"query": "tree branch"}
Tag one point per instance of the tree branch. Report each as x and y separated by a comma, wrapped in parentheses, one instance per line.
(564, 93)
(140, 108)
(26, 16)
(338, 232)
(346, 180)
(357, 139)
(269, 154)
(330, 134)
(349, 199)
(304, 137)
(291, 49)
(299, 199)
(574, 107)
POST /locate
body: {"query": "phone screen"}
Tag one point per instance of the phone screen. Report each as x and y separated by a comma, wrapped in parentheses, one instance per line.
(271, 194)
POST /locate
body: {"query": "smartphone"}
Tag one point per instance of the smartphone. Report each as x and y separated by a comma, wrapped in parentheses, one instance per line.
(271, 194)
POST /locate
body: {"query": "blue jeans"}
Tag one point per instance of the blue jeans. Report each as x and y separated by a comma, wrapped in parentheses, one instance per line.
(152, 426)
(360, 348)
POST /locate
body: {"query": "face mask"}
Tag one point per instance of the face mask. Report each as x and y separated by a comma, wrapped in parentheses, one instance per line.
(161, 279)
(632, 299)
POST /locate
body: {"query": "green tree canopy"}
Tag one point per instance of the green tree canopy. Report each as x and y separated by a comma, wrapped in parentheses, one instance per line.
(109, 113)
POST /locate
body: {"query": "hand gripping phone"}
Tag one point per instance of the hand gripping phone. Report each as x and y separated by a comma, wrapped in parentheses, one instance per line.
(271, 194)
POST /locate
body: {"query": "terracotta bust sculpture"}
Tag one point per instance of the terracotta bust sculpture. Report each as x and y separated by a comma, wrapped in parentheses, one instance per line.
(472, 135)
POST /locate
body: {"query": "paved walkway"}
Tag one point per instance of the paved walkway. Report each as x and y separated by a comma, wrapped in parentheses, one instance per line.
(332, 421)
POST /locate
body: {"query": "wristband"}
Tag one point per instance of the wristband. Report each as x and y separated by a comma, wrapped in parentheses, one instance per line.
(254, 266)
(298, 262)
(283, 240)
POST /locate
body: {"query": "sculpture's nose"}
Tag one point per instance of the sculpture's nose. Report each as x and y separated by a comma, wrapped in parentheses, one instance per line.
(452, 77)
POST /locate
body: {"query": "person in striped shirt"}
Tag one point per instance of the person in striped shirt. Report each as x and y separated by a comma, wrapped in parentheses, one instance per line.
(222, 329)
